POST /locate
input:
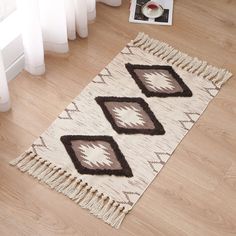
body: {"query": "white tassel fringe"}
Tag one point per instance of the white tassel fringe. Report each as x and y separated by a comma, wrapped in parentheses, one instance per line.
(97, 203)
(182, 60)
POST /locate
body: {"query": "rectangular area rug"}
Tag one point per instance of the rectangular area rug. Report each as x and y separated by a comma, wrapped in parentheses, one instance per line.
(109, 144)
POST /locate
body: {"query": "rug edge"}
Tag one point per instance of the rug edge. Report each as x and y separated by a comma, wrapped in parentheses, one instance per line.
(98, 204)
(218, 76)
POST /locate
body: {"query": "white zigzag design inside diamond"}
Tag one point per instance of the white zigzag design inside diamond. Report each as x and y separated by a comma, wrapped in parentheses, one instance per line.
(158, 80)
(95, 155)
(128, 116)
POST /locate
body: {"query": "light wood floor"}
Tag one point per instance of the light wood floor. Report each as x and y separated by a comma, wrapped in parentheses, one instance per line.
(195, 194)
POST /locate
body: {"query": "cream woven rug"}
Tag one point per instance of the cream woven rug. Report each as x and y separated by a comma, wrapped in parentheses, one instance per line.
(110, 143)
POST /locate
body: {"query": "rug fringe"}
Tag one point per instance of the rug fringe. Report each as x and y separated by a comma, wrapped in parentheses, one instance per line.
(175, 57)
(101, 206)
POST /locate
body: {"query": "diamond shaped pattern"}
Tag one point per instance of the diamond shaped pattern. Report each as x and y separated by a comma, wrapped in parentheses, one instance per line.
(130, 115)
(96, 155)
(158, 81)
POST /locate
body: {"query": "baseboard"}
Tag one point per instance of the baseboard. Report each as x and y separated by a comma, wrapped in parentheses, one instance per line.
(11, 46)
(15, 68)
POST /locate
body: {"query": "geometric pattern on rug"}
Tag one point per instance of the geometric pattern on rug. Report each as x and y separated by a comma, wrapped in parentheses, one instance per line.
(212, 91)
(42, 144)
(158, 163)
(130, 115)
(100, 78)
(191, 118)
(96, 155)
(66, 115)
(158, 81)
(127, 50)
(128, 196)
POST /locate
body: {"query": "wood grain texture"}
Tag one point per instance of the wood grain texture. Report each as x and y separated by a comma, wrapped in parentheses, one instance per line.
(195, 194)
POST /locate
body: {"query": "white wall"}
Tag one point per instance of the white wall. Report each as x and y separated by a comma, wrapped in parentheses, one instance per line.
(6, 8)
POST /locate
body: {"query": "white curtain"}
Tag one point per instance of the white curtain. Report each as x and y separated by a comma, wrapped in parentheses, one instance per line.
(48, 24)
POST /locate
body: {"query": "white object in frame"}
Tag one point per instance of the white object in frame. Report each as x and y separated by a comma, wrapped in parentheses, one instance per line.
(166, 4)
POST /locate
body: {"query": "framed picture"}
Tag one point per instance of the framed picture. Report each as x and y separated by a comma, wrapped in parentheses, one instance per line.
(137, 12)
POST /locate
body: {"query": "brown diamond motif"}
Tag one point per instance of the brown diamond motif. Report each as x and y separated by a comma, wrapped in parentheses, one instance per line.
(96, 155)
(130, 115)
(158, 81)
